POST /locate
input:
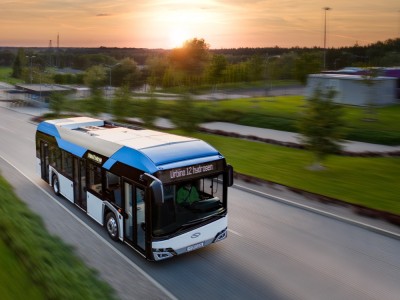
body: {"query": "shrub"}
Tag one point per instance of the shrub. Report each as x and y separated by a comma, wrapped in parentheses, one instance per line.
(50, 263)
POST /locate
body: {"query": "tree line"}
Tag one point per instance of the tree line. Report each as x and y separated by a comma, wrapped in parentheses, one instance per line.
(192, 65)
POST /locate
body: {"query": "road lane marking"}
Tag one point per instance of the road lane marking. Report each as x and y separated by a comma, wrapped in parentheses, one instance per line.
(119, 253)
(235, 232)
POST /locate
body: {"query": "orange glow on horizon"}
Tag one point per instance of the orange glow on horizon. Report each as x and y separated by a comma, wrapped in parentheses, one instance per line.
(223, 24)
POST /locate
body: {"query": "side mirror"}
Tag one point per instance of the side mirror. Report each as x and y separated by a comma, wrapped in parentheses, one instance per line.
(229, 175)
(156, 187)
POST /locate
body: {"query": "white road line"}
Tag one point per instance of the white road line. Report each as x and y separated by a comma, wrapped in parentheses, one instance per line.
(235, 232)
(321, 212)
(131, 263)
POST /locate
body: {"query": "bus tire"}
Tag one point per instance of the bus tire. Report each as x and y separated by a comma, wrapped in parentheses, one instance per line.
(112, 226)
(56, 185)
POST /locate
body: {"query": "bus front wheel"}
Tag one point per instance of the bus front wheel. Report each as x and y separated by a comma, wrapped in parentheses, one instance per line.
(56, 185)
(112, 226)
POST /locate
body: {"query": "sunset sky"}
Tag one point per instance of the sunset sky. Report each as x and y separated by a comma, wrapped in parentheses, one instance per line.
(222, 23)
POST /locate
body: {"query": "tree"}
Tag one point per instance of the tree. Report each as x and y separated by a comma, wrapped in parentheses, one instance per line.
(57, 101)
(121, 102)
(95, 77)
(191, 60)
(7, 58)
(157, 67)
(321, 126)
(307, 63)
(184, 115)
(19, 64)
(255, 68)
(126, 73)
(96, 102)
(216, 68)
(149, 111)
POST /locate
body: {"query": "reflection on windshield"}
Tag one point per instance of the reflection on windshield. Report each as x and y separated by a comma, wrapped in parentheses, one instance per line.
(188, 203)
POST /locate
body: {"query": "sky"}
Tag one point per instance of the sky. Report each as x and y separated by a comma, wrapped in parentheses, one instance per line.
(221, 23)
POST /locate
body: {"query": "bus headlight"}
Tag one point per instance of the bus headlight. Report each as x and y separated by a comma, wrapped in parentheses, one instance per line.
(160, 254)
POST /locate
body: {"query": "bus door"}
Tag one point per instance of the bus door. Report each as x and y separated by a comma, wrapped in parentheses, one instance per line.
(135, 216)
(80, 182)
(44, 160)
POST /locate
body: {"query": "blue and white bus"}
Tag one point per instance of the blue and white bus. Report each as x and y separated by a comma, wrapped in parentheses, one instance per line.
(162, 194)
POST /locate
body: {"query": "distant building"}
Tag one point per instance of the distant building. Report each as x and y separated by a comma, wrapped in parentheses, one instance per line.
(352, 89)
(37, 94)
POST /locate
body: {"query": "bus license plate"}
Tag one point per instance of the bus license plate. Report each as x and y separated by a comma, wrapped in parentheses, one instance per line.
(195, 246)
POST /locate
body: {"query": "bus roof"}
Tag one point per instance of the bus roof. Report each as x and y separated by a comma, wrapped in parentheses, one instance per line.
(144, 149)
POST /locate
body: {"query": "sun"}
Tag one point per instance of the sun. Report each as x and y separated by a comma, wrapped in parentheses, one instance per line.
(178, 36)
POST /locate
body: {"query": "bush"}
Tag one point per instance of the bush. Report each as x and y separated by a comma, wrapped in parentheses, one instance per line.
(50, 263)
(265, 121)
(390, 138)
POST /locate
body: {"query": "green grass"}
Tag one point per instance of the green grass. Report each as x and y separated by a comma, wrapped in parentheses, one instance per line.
(282, 113)
(14, 280)
(371, 182)
(52, 265)
(206, 88)
(5, 76)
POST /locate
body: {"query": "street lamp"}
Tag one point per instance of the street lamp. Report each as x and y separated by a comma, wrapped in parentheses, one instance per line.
(111, 67)
(30, 59)
(325, 10)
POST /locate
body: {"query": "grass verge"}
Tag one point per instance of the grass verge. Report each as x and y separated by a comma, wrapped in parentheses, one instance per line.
(14, 280)
(50, 264)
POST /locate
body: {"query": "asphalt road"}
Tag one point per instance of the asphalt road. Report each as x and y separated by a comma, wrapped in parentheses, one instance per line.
(273, 250)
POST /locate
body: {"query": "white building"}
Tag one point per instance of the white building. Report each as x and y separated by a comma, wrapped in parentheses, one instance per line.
(353, 90)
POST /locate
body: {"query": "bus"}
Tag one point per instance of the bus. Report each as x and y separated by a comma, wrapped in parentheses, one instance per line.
(161, 194)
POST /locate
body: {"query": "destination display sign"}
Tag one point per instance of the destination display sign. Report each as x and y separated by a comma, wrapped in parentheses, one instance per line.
(94, 157)
(189, 172)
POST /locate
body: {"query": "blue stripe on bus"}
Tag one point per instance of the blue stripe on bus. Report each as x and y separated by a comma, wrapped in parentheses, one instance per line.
(49, 129)
(133, 158)
(109, 163)
(70, 147)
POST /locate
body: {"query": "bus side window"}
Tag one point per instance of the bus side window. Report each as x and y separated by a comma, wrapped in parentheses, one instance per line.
(113, 188)
(67, 163)
(95, 178)
(55, 156)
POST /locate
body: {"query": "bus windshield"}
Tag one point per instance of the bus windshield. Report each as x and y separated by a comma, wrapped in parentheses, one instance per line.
(187, 204)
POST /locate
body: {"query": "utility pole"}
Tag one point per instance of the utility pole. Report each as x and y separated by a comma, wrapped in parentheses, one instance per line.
(31, 58)
(325, 10)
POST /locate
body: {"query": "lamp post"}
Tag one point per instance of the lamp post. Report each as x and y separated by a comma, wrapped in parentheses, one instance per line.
(111, 67)
(30, 59)
(325, 10)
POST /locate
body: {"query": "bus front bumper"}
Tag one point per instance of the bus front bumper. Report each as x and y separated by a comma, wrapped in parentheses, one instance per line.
(191, 240)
